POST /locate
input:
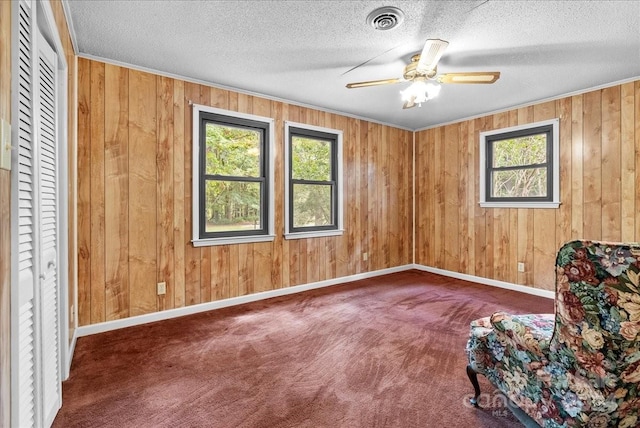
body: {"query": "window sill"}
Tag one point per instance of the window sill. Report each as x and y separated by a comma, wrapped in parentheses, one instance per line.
(314, 234)
(520, 204)
(210, 242)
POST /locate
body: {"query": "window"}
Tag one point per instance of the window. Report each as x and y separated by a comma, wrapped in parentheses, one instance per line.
(519, 166)
(232, 177)
(313, 191)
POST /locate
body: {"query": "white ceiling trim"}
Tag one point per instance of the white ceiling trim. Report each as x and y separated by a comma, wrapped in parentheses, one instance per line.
(72, 30)
(231, 88)
(341, 113)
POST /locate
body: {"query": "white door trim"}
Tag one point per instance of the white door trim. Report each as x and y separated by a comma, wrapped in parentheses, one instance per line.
(50, 29)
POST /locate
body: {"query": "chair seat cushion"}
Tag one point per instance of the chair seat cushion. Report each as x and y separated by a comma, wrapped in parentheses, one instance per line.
(490, 336)
(531, 332)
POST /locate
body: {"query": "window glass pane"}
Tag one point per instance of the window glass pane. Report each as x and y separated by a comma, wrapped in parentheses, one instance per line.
(232, 151)
(312, 205)
(231, 205)
(520, 183)
(529, 150)
(311, 159)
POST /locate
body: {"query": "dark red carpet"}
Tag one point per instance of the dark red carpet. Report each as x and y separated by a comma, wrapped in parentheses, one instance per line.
(382, 352)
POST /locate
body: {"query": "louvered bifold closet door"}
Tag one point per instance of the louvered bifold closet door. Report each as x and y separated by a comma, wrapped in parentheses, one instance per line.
(24, 408)
(35, 357)
(48, 231)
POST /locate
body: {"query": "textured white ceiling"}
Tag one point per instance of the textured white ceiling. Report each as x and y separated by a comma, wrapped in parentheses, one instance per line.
(302, 51)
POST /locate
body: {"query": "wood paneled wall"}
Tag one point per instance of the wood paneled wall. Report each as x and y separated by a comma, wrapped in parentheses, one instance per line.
(5, 222)
(599, 187)
(134, 199)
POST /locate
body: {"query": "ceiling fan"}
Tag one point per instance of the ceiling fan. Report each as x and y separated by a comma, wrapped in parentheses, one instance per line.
(422, 71)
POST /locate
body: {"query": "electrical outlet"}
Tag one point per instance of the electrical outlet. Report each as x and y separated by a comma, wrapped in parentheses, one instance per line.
(365, 256)
(162, 288)
(520, 267)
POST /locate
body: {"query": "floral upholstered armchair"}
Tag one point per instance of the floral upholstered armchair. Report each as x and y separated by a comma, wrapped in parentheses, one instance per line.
(581, 366)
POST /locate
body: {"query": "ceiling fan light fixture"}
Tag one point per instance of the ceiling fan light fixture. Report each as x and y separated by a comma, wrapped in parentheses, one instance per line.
(385, 18)
(420, 92)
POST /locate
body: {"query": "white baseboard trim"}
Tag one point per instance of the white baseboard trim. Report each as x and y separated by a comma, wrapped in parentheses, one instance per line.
(203, 307)
(486, 281)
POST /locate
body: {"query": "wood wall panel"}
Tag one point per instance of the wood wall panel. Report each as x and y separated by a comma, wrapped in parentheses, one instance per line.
(179, 214)
(362, 196)
(592, 163)
(500, 223)
(116, 192)
(450, 220)
(599, 188)
(351, 182)
(577, 167)
(563, 214)
(278, 273)
(637, 150)
(627, 164)
(140, 125)
(482, 224)
(611, 164)
(192, 255)
(165, 191)
(97, 192)
(463, 191)
(143, 214)
(371, 187)
(382, 196)
(544, 220)
(84, 192)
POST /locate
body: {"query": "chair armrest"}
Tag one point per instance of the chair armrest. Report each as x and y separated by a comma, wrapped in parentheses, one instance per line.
(481, 345)
(531, 332)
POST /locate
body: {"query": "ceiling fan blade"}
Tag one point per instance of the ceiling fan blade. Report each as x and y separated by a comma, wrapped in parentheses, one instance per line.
(410, 103)
(431, 53)
(373, 83)
(471, 77)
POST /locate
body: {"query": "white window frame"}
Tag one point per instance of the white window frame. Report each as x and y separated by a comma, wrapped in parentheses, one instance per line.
(339, 230)
(555, 172)
(270, 203)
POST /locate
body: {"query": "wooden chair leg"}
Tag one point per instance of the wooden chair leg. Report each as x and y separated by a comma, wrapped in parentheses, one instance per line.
(473, 377)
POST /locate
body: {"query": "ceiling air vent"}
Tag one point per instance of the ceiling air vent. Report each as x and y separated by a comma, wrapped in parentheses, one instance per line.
(385, 18)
